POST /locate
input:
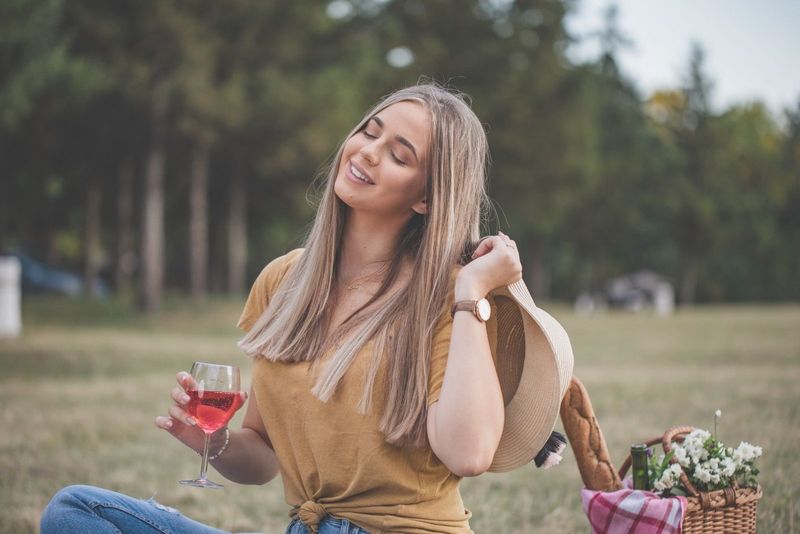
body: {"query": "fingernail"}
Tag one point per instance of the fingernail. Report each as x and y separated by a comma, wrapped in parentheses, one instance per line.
(191, 421)
(185, 399)
(168, 423)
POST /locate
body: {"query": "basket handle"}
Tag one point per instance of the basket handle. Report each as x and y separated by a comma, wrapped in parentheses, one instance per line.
(677, 433)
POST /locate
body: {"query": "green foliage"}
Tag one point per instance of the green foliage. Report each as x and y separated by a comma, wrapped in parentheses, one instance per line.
(590, 177)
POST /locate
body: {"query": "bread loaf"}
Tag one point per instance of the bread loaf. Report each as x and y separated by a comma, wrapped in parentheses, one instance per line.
(587, 441)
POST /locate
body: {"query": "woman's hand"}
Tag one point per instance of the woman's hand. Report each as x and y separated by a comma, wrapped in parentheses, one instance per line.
(495, 263)
(180, 424)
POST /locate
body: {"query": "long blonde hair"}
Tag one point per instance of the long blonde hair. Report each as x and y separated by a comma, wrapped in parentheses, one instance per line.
(293, 326)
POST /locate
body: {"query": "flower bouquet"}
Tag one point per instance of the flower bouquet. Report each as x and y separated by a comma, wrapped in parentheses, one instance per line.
(719, 482)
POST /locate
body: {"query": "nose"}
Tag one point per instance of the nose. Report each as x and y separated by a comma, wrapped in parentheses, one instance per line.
(370, 153)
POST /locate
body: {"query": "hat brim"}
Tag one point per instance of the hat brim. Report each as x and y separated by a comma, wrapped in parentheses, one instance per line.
(533, 394)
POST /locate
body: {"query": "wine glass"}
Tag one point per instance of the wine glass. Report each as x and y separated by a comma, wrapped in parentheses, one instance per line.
(214, 396)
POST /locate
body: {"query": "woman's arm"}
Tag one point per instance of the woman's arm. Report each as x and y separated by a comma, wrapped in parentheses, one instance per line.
(465, 424)
(248, 459)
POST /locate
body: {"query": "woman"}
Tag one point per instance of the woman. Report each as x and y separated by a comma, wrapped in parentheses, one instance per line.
(369, 397)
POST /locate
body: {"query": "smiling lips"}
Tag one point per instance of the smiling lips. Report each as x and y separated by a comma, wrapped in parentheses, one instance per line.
(359, 174)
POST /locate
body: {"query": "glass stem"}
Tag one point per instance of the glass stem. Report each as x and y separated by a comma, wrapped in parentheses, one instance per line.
(204, 464)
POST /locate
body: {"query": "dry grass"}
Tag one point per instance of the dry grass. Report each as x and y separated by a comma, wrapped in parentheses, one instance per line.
(79, 390)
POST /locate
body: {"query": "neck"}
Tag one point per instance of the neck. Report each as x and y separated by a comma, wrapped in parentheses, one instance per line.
(367, 242)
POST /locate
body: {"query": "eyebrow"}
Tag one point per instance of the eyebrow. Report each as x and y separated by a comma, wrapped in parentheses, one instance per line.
(399, 138)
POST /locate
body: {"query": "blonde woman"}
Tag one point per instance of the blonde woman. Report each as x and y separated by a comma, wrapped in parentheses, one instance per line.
(369, 398)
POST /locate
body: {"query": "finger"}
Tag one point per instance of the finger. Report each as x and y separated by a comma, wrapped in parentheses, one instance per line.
(179, 396)
(507, 240)
(176, 413)
(185, 380)
(164, 422)
(485, 246)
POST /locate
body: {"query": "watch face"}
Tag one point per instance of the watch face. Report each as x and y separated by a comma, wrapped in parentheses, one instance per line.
(484, 309)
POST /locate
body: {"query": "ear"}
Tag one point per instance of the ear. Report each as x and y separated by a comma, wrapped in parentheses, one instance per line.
(421, 207)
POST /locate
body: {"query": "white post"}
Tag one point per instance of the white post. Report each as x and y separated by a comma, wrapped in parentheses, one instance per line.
(664, 301)
(10, 315)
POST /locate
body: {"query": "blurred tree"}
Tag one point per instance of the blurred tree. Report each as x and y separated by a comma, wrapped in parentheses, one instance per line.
(616, 217)
(696, 214)
(785, 265)
(208, 122)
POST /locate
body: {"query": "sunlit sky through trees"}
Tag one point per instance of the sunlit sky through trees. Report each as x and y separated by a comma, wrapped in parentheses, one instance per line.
(751, 47)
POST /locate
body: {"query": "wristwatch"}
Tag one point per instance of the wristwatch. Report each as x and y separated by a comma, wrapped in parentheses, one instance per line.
(481, 308)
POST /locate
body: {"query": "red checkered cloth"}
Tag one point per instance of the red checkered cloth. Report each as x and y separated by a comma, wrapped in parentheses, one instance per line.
(629, 511)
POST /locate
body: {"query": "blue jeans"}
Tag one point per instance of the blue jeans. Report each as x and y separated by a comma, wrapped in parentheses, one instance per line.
(329, 525)
(98, 510)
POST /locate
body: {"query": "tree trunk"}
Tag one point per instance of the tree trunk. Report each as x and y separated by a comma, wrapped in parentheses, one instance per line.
(153, 211)
(237, 232)
(126, 253)
(538, 276)
(91, 243)
(198, 221)
(689, 278)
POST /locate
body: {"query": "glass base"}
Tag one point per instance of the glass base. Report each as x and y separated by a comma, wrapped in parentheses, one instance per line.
(201, 483)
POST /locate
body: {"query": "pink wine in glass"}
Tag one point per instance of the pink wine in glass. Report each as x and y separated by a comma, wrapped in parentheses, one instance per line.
(213, 409)
(214, 395)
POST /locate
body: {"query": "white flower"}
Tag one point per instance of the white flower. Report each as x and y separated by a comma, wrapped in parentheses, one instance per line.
(702, 474)
(681, 456)
(669, 478)
(676, 471)
(698, 454)
(718, 413)
(728, 467)
(699, 434)
(746, 452)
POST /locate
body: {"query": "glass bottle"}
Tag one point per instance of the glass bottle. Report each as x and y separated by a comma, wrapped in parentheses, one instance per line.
(641, 477)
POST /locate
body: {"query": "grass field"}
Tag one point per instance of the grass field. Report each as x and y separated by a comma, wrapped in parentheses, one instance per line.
(80, 388)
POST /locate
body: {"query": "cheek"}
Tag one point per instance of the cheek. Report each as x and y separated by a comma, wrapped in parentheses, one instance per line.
(418, 184)
(351, 146)
(411, 186)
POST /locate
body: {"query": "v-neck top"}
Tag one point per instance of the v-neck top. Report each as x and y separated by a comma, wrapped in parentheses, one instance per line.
(334, 460)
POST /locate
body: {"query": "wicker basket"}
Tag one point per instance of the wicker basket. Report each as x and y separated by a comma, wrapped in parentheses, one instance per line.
(720, 511)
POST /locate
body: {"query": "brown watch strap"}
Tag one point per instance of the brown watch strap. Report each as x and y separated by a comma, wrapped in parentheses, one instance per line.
(463, 305)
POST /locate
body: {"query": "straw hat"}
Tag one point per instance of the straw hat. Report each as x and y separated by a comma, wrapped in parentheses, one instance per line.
(534, 360)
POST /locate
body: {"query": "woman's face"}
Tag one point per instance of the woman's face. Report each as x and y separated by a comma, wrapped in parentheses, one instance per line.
(383, 165)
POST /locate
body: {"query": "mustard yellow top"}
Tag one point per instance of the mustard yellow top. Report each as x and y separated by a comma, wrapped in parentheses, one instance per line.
(334, 460)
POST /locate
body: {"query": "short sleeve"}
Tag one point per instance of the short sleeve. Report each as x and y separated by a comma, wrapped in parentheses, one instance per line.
(441, 344)
(439, 350)
(264, 287)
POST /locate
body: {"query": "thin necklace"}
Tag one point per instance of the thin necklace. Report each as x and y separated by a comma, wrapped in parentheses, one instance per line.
(354, 284)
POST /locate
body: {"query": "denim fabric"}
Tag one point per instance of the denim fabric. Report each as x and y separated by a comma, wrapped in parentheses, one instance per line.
(97, 510)
(329, 525)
